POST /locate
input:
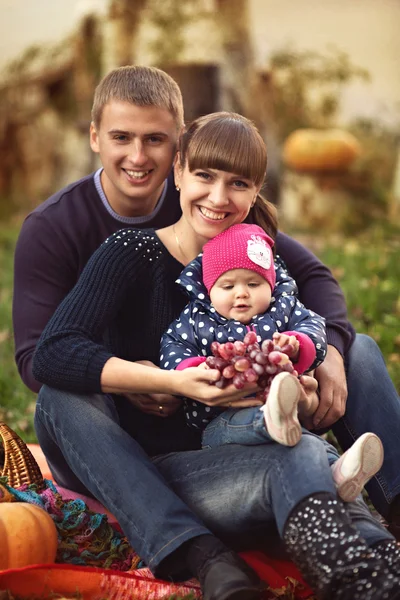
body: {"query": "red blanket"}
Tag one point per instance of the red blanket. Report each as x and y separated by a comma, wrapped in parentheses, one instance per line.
(283, 578)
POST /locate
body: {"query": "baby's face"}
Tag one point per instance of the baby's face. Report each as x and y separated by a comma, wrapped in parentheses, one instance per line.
(240, 294)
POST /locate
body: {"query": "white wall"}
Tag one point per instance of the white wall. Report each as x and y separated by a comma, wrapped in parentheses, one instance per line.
(29, 22)
(369, 30)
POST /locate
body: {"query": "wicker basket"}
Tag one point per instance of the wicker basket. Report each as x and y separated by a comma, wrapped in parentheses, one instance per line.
(19, 466)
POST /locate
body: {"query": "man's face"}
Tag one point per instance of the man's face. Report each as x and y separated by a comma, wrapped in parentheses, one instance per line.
(137, 145)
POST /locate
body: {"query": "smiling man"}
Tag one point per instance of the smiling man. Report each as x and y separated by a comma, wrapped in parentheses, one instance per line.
(137, 117)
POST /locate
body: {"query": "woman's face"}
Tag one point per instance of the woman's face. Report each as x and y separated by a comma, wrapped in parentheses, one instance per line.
(213, 200)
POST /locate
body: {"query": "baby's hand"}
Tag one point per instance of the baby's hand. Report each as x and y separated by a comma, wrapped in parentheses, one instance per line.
(288, 344)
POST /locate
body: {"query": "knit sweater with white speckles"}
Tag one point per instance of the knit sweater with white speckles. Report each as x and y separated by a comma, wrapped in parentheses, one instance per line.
(126, 298)
(121, 305)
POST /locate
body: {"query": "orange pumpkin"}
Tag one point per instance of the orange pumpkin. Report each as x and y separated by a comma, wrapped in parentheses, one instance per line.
(320, 150)
(28, 535)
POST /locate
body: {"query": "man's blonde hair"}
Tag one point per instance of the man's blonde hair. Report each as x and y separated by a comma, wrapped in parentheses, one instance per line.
(142, 86)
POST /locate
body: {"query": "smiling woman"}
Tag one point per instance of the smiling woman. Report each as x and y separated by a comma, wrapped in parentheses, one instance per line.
(218, 188)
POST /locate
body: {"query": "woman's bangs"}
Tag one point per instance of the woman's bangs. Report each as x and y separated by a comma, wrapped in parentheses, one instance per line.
(228, 146)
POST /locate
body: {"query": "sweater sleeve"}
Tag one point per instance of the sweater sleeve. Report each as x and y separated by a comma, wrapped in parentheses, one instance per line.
(40, 284)
(179, 343)
(70, 354)
(318, 290)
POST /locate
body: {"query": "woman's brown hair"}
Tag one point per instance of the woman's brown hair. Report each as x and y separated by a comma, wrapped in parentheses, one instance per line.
(229, 142)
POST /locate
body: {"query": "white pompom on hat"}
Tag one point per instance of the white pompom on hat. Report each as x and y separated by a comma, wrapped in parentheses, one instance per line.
(239, 247)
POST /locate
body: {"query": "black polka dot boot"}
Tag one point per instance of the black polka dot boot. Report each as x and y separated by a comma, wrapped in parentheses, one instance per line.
(332, 557)
(389, 552)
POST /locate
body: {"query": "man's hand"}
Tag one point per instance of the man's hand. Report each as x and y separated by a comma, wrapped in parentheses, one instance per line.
(160, 405)
(331, 377)
(309, 400)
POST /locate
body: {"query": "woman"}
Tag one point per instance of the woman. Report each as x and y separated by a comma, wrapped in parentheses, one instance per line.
(114, 318)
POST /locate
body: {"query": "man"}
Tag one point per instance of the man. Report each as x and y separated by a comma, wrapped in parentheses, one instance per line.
(136, 120)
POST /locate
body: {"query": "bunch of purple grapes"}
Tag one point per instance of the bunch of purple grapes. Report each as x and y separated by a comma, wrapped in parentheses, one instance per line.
(248, 361)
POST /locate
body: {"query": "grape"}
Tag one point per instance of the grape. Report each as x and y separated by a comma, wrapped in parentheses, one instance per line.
(239, 381)
(229, 349)
(259, 369)
(261, 358)
(250, 338)
(250, 375)
(248, 361)
(215, 348)
(263, 381)
(267, 346)
(220, 363)
(239, 348)
(277, 358)
(223, 352)
(210, 362)
(229, 372)
(242, 364)
(222, 382)
(289, 350)
(252, 347)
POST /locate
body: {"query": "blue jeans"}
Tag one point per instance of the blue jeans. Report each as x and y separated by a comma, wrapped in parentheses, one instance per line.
(373, 404)
(237, 426)
(246, 426)
(236, 492)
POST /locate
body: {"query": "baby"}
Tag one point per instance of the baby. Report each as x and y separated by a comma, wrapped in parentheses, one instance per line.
(239, 289)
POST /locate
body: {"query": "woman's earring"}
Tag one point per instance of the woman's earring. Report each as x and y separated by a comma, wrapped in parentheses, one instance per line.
(178, 188)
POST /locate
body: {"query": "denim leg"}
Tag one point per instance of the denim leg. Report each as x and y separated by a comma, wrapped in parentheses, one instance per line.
(87, 450)
(373, 405)
(240, 491)
(369, 528)
(237, 489)
(237, 426)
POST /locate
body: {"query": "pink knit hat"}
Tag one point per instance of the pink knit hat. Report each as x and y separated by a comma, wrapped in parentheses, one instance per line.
(239, 247)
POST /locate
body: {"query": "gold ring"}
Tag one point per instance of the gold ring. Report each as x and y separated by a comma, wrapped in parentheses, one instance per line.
(161, 410)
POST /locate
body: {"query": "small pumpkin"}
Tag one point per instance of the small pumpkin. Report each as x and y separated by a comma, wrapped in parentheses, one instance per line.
(28, 535)
(320, 150)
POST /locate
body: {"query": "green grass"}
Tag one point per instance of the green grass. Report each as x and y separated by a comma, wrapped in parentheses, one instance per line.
(16, 401)
(368, 270)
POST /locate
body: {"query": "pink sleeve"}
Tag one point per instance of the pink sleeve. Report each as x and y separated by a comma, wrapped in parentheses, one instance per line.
(194, 361)
(307, 352)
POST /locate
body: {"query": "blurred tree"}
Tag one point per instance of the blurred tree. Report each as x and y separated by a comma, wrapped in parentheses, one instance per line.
(307, 86)
(124, 17)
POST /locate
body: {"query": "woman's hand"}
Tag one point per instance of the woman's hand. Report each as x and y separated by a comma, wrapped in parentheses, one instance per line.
(160, 405)
(331, 377)
(198, 383)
